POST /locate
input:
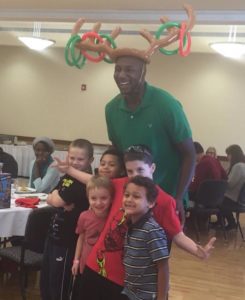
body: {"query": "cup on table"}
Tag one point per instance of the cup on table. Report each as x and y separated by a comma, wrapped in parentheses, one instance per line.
(5, 190)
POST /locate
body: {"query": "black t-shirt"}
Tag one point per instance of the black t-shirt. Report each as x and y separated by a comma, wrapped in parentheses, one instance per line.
(63, 225)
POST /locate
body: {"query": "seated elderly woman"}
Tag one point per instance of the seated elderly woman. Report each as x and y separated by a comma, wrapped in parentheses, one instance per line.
(211, 151)
(43, 178)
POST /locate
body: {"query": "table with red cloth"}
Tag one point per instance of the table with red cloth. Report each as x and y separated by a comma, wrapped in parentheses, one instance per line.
(13, 220)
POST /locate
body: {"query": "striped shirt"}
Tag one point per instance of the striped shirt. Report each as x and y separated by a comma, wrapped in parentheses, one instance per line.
(145, 244)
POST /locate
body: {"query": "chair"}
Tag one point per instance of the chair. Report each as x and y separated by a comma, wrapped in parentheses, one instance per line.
(28, 256)
(209, 197)
(240, 208)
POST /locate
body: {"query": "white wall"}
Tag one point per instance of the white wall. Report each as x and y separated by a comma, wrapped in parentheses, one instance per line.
(40, 95)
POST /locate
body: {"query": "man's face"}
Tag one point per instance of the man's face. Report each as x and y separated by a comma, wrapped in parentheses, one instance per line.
(129, 75)
(138, 167)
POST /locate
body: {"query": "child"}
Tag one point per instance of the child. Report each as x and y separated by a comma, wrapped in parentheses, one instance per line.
(106, 255)
(112, 164)
(70, 200)
(100, 192)
(139, 161)
(145, 249)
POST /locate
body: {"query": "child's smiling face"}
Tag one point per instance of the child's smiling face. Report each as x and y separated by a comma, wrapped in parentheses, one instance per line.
(135, 202)
(139, 167)
(99, 201)
(78, 158)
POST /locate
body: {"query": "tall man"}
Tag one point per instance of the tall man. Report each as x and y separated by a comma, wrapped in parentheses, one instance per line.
(143, 114)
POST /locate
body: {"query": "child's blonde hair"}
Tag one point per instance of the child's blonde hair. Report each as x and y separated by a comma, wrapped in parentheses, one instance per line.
(97, 182)
(83, 144)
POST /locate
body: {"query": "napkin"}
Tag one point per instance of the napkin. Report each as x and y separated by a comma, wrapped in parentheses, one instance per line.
(27, 202)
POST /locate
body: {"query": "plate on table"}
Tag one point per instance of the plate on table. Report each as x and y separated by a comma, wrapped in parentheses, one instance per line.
(24, 190)
(41, 196)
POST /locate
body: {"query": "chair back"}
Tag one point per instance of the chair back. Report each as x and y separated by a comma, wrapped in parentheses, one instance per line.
(37, 228)
(211, 193)
(241, 197)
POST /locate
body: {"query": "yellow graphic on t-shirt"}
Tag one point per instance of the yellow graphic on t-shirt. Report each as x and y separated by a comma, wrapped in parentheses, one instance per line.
(67, 182)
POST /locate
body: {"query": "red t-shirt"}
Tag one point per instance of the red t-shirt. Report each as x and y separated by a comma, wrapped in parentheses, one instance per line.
(91, 226)
(110, 243)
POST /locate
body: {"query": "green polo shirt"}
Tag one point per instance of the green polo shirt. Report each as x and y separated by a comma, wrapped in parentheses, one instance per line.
(158, 122)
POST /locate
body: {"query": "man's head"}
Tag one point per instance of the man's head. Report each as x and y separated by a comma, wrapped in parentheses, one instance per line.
(199, 151)
(138, 160)
(129, 75)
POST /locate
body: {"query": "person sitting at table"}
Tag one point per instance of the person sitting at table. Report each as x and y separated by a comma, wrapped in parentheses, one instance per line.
(236, 179)
(9, 164)
(43, 178)
(211, 151)
(207, 167)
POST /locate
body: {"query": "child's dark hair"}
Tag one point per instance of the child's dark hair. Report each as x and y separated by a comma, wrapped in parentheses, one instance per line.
(115, 152)
(83, 144)
(147, 183)
(98, 181)
(139, 152)
(198, 148)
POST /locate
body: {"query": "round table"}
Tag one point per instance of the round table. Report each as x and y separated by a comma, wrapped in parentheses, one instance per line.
(13, 220)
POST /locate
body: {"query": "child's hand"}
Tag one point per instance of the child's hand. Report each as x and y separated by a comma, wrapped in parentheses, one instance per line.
(69, 207)
(75, 267)
(204, 252)
(61, 165)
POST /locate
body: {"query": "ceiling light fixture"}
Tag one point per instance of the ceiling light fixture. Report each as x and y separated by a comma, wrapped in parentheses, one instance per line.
(36, 42)
(231, 48)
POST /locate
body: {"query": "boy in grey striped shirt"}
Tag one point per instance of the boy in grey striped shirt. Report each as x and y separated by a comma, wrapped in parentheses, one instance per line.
(146, 250)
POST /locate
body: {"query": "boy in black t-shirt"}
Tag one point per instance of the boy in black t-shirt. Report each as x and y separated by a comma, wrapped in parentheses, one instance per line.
(70, 200)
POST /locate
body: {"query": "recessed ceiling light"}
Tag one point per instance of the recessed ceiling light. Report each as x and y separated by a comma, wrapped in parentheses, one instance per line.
(36, 43)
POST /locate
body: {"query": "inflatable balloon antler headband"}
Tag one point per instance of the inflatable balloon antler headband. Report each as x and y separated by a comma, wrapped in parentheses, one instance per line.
(104, 46)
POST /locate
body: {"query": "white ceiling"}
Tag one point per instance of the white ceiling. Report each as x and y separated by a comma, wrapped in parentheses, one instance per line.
(57, 17)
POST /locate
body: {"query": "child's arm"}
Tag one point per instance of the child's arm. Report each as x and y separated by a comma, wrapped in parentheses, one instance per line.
(55, 200)
(162, 279)
(76, 260)
(64, 167)
(187, 244)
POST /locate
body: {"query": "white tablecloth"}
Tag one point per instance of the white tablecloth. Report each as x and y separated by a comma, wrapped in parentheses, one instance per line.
(13, 220)
(25, 154)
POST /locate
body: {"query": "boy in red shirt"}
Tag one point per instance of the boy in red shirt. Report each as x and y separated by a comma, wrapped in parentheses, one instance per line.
(104, 268)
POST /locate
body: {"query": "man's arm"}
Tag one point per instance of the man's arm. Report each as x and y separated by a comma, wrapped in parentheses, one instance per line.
(187, 153)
